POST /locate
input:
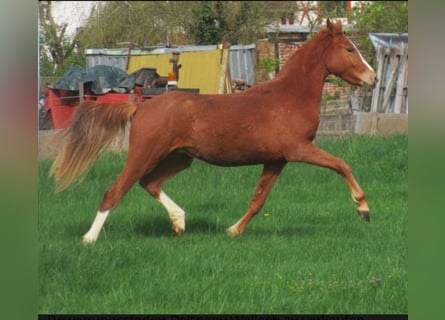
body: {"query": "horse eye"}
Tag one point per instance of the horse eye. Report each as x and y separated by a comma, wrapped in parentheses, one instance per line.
(350, 50)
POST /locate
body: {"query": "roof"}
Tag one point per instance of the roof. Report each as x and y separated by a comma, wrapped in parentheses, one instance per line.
(297, 28)
(161, 50)
(389, 40)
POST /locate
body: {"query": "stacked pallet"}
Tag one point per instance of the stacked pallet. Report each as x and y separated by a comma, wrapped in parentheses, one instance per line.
(391, 92)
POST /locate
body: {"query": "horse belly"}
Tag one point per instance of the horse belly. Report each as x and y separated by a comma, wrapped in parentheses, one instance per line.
(233, 151)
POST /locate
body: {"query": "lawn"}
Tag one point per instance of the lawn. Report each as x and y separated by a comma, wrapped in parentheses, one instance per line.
(307, 251)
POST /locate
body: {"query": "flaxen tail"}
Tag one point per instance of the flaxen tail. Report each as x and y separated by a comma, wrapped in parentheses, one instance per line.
(93, 127)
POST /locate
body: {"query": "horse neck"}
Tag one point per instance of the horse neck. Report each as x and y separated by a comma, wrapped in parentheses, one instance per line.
(305, 71)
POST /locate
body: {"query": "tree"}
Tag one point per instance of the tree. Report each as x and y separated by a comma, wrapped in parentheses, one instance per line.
(174, 22)
(206, 28)
(239, 21)
(56, 48)
(378, 16)
(144, 23)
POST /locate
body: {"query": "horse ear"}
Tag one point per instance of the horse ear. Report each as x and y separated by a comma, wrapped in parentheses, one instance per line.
(329, 24)
(334, 29)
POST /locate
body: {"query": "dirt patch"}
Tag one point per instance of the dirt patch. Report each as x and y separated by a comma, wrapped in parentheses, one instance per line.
(48, 144)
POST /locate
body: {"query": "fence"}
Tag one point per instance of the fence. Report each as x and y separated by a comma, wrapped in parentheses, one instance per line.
(340, 120)
(391, 92)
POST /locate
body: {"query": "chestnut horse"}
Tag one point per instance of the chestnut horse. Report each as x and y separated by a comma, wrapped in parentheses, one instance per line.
(272, 123)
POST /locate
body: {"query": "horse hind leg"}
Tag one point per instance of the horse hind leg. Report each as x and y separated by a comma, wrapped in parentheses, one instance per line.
(153, 181)
(93, 233)
(137, 164)
(270, 173)
(129, 175)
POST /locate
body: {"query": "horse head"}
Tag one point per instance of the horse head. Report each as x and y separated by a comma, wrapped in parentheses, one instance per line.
(344, 60)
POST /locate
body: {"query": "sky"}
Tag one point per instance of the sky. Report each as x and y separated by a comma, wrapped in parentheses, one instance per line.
(72, 12)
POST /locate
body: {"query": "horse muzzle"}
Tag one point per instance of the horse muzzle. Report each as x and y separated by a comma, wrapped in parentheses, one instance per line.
(370, 79)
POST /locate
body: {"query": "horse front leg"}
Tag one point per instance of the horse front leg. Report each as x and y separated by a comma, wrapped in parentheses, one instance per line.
(270, 173)
(311, 154)
(153, 181)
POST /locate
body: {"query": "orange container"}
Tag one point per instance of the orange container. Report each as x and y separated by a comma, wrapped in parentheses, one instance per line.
(61, 116)
(62, 104)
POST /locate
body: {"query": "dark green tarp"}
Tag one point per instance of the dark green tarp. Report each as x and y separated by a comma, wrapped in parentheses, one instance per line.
(104, 79)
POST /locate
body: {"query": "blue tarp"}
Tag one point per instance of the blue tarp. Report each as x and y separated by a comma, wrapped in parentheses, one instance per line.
(103, 78)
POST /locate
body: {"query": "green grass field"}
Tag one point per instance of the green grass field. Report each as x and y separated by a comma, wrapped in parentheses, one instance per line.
(307, 251)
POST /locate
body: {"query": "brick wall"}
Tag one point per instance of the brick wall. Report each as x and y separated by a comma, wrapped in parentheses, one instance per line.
(331, 89)
(286, 50)
(265, 48)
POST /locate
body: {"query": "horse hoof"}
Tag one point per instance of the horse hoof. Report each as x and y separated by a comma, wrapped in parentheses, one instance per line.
(87, 240)
(233, 231)
(177, 230)
(364, 215)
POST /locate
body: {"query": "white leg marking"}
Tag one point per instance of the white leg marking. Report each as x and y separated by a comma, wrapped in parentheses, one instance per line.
(177, 215)
(234, 230)
(94, 231)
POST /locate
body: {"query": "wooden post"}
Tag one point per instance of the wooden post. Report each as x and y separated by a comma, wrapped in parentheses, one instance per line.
(224, 71)
(390, 84)
(81, 92)
(374, 123)
(376, 93)
(401, 81)
(383, 83)
(130, 47)
(397, 67)
(405, 86)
